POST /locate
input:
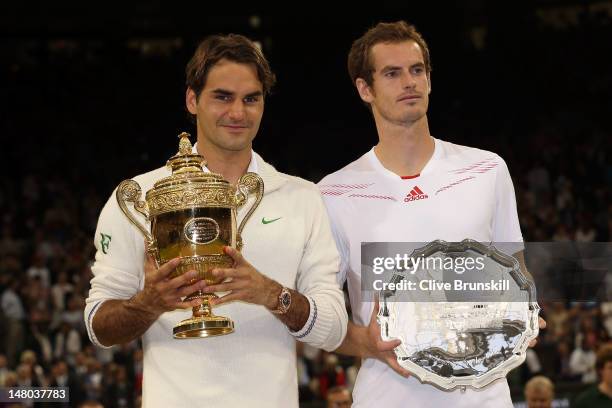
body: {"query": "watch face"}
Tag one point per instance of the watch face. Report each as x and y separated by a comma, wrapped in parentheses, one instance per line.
(286, 299)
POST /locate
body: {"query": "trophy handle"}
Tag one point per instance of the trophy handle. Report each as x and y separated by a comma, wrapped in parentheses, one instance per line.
(129, 191)
(252, 183)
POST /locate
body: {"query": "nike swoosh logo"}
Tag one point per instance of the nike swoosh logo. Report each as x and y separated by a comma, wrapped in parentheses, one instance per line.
(264, 221)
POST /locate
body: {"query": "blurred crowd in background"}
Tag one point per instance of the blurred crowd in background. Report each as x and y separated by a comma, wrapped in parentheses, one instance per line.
(61, 163)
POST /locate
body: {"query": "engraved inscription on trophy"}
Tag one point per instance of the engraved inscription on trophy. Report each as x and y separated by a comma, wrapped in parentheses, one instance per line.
(201, 230)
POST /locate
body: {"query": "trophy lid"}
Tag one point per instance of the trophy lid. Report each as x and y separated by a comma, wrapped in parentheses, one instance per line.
(187, 167)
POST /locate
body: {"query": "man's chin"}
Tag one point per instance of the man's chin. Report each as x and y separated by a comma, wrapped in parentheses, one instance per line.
(411, 117)
(237, 147)
(232, 142)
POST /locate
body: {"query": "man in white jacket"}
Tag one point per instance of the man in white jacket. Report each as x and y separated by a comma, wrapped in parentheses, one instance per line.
(288, 244)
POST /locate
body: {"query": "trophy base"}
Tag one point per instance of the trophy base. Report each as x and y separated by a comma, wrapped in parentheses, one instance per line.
(203, 326)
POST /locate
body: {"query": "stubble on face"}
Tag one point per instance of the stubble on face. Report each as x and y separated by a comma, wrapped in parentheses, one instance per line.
(400, 86)
(230, 107)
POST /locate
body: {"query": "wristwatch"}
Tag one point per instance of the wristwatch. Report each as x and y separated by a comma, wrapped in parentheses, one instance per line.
(284, 302)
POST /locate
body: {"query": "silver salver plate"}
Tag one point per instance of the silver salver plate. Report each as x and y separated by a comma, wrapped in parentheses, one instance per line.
(451, 341)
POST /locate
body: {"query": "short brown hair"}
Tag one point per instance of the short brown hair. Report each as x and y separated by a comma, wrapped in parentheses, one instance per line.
(604, 354)
(233, 47)
(359, 60)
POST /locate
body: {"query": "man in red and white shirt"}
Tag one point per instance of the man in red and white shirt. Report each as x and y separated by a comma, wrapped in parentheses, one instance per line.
(409, 188)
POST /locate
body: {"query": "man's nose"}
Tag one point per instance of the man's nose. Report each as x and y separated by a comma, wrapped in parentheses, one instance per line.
(408, 81)
(237, 111)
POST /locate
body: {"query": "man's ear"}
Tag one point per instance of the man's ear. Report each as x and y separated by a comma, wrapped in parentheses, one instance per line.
(365, 91)
(191, 101)
(429, 83)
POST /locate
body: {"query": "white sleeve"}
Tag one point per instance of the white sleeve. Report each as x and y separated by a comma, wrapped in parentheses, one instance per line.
(326, 326)
(506, 226)
(118, 267)
(339, 238)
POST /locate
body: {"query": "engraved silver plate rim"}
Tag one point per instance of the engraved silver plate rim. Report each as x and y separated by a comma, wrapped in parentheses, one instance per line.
(501, 371)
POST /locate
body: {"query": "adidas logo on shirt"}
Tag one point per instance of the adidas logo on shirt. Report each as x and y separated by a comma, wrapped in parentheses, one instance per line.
(415, 194)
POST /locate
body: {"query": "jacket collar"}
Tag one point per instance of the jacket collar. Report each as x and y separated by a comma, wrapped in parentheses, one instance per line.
(272, 179)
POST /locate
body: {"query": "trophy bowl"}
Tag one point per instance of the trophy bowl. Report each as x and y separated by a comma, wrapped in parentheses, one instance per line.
(192, 216)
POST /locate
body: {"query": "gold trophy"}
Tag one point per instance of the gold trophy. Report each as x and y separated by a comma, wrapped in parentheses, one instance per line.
(193, 216)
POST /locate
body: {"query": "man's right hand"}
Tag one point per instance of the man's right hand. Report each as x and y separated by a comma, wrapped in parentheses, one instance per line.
(383, 350)
(162, 293)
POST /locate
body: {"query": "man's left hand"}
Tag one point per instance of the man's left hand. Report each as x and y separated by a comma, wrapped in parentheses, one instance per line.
(246, 283)
(542, 325)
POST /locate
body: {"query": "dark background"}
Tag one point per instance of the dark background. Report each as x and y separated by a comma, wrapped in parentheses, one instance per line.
(93, 94)
(105, 86)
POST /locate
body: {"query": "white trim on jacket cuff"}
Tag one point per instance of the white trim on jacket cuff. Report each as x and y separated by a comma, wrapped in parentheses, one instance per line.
(90, 331)
(310, 322)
